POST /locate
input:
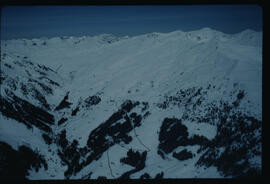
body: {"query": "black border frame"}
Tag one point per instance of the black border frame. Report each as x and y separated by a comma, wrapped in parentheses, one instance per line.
(260, 3)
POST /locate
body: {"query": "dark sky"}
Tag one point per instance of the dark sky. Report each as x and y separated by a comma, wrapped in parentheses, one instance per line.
(50, 21)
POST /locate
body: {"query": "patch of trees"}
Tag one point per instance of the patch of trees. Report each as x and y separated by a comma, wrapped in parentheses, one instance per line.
(26, 113)
(163, 105)
(30, 89)
(134, 159)
(49, 80)
(173, 134)
(136, 119)
(101, 178)
(238, 138)
(240, 96)
(92, 100)
(183, 155)
(41, 98)
(146, 114)
(145, 106)
(15, 165)
(74, 112)
(7, 65)
(112, 131)
(47, 138)
(62, 120)
(69, 153)
(237, 141)
(147, 176)
(27, 61)
(12, 83)
(64, 103)
(45, 88)
(3, 77)
(159, 175)
(190, 96)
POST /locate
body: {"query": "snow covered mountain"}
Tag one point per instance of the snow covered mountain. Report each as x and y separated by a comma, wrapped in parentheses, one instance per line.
(159, 105)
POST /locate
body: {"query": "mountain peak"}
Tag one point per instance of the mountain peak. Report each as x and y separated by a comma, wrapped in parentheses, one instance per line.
(206, 29)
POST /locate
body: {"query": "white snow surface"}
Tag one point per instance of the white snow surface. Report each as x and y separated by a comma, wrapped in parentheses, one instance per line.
(141, 68)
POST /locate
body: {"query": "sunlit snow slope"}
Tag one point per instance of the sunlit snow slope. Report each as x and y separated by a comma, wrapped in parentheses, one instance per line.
(164, 105)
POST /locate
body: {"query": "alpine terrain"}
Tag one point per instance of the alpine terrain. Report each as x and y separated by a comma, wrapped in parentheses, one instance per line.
(159, 105)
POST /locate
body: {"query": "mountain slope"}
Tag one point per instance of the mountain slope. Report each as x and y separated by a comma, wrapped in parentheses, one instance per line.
(174, 105)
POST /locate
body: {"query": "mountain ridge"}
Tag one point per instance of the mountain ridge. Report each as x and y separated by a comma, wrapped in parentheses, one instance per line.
(202, 30)
(113, 100)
